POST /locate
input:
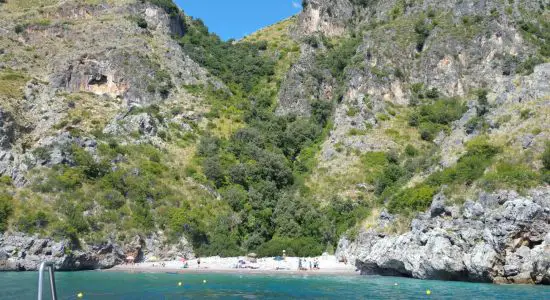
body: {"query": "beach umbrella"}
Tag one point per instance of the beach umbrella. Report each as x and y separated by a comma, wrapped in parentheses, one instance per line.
(278, 258)
(152, 259)
(252, 254)
(183, 259)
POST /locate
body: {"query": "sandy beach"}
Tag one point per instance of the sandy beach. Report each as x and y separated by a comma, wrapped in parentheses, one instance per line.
(327, 265)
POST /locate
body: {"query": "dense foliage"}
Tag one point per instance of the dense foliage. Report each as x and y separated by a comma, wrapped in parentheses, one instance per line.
(256, 171)
(338, 55)
(234, 63)
(508, 174)
(6, 209)
(538, 32)
(435, 114)
(469, 168)
(259, 169)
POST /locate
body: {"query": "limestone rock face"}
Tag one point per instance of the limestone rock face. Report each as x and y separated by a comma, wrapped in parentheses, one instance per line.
(142, 123)
(505, 241)
(7, 138)
(21, 252)
(93, 75)
(156, 245)
(98, 64)
(168, 23)
(387, 64)
(301, 86)
(325, 16)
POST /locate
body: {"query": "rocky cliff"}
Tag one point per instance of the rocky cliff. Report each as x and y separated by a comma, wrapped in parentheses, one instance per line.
(127, 128)
(330, 18)
(97, 53)
(455, 49)
(71, 70)
(21, 252)
(499, 237)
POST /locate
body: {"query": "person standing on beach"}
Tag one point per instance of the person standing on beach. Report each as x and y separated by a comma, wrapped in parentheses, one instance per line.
(198, 262)
(309, 260)
(299, 264)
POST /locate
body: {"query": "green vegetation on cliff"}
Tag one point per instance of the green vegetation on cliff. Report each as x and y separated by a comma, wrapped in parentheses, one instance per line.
(212, 159)
(258, 168)
(241, 187)
(235, 63)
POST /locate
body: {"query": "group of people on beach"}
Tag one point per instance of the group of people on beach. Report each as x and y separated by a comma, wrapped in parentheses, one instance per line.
(303, 264)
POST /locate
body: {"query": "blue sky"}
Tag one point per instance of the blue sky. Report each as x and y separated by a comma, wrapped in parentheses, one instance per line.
(237, 18)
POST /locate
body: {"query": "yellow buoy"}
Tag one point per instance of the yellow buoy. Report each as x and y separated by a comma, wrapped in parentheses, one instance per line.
(80, 295)
(428, 292)
(180, 284)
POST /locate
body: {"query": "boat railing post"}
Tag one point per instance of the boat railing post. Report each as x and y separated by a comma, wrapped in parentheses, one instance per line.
(51, 270)
(40, 279)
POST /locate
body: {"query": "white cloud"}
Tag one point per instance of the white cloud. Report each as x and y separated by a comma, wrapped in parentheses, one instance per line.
(296, 4)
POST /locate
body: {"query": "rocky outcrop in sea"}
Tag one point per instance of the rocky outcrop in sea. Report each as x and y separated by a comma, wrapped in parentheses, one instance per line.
(503, 237)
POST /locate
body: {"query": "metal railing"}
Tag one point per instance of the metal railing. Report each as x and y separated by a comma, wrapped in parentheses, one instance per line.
(51, 267)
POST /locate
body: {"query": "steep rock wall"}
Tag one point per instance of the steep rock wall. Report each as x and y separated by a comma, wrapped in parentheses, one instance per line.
(501, 237)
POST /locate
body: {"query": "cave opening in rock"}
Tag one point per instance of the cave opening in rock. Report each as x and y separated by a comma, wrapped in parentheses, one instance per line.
(98, 80)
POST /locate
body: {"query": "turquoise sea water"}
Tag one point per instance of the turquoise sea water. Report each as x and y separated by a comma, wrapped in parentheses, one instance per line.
(107, 285)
